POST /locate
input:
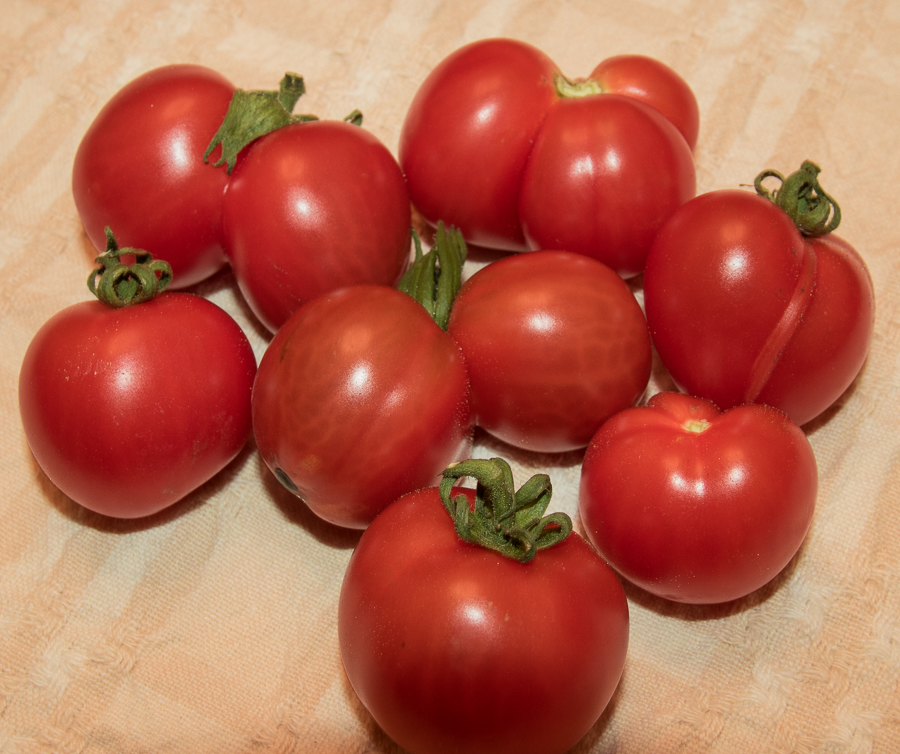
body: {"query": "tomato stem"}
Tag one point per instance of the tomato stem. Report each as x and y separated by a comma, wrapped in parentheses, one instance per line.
(813, 210)
(567, 89)
(434, 278)
(507, 521)
(124, 285)
(253, 114)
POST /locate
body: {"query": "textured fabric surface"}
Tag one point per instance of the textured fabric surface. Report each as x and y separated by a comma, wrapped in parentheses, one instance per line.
(211, 627)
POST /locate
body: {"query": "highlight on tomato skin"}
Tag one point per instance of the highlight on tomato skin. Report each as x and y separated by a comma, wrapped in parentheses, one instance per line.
(452, 646)
(696, 505)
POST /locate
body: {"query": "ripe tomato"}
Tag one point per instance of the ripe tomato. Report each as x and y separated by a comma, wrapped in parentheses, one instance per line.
(591, 166)
(555, 344)
(129, 409)
(695, 505)
(743, 308)
(454, 647)
(313, 207)
(139, 169)
(360, 398)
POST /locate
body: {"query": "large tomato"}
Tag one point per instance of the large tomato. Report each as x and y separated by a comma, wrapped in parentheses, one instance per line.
(555, 344)
(311, 208)
(139, 168)
(742, 307)
(453, 647)
(360, 398)
(695, 505)
(530, 159)
(129, 409)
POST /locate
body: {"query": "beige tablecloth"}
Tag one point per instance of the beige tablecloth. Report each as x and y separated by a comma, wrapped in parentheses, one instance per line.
(211, 628)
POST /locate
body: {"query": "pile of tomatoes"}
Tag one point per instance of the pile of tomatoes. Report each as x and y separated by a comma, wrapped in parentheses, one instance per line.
(379, 371)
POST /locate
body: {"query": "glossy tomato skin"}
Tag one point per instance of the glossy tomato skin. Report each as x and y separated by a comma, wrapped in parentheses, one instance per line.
(139, 169)
(555, 344)
(128, 410)
(453, 647)
(654, 83)
(695, 505)
(743, 308)
(467, 135)
(360, 398)
(314, 207)
(604, 175)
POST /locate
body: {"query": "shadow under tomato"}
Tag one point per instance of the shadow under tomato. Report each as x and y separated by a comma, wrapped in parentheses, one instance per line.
(485, 444)
(109, 524)
(717, 611)
(298, 513)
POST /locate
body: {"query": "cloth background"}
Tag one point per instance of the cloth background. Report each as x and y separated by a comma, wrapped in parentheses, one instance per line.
(211, 627)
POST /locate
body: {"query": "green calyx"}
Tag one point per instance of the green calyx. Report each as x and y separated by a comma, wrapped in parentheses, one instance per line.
(813, 210)
(118, 285)
(434, 278)
(509, 521)
(253, 114)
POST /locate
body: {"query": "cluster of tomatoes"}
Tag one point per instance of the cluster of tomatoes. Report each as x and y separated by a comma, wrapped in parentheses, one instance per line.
(377, 375)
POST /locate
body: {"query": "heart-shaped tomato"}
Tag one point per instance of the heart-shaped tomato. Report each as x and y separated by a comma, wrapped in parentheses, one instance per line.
(695, 505)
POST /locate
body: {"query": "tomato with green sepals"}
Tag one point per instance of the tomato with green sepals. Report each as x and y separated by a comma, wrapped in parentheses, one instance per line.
(471, 621)
(132, 401)
(751, 297)
(312, 206)
(697, 505)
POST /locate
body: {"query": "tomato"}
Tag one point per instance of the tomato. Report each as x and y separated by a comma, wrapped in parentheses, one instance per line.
(743, 308)
(555, 344)
(360, 398)
(603, 176)
(129, 409)
(696, 505)
(139, 168)
(531, 160)
(313, 207)
(454, 647)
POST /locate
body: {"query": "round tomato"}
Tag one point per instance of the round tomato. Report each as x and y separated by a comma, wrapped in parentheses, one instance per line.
(454, 647)
(603, 176)
(743, 308)
(313, 207)
(592, 166)
(360, 398)
(695, 505)
(555, 344)
(139, 168)
(129, 409)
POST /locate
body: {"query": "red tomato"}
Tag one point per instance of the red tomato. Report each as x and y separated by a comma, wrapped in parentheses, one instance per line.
(695, 505)
(589, 166)
(453, 647)
(311, 208)
(139, 168)
(604, 175)
(743, 308)
(555, 344)
(128, 410)
(360, 398)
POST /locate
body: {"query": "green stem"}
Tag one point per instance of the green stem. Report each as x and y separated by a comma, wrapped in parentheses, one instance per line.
(813, 210)
(253, 114)
(434, 278)
(124, 285)
(505, 520)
